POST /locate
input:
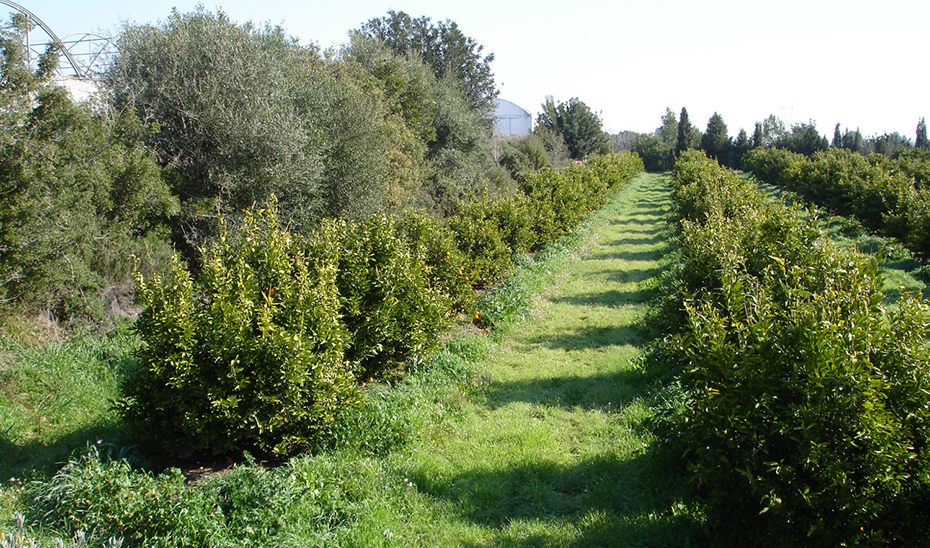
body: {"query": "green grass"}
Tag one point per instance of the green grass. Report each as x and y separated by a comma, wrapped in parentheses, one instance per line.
(55, 397)
(535, 434)
(556, 452)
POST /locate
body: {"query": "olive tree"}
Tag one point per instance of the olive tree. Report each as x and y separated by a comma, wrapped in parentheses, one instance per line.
(244, 112)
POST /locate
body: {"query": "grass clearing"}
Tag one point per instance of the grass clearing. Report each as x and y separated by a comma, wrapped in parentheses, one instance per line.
(557, 453)
(56, 396)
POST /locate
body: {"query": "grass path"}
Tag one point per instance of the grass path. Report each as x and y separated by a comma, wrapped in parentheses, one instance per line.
(556, 452)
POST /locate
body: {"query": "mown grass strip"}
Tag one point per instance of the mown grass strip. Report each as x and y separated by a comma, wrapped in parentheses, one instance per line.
(556, 451)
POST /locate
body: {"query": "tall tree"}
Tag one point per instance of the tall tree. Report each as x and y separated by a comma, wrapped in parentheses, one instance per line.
(685, 133)
(79, 194)
(804, 139)
(444, 47)
(244, 112)
(740, 148)
(857, 144)
(773, 130)
(837, 137)
(668, 131)
(757, 136)
(921, 141)
(579, 126)
(715, 140)
(653, 151)
(889, 143)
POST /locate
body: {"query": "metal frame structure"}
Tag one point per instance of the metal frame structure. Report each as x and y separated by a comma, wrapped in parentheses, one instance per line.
(98, 50)
(78, 71)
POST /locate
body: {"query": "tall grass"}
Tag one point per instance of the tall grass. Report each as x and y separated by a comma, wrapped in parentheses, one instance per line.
(56, 396)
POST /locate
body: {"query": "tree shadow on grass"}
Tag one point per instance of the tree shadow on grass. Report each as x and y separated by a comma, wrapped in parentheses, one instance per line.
(893, 295)
(639, 256)
(593, 337)
(649, 228)
(42, 459)
(632, 294)
(606, 393)
(639, 240)
(643, 217)
(610, 500)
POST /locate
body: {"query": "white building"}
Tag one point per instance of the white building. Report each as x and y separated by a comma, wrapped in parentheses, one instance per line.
(511, 120)
(80, 89)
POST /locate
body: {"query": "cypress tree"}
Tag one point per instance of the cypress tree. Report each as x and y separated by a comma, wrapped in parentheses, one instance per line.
(922, 141)
(684, 132)
(715, 140)
(757, 136)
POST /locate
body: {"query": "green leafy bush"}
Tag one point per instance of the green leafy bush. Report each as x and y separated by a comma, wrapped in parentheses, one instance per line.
(80, 195)
(549, 204)
(478, 235)
(616, 169)
(915, 163)
(251, 352)
(807, 422)
(435, 245)
(769, 164)
(563, 198)
(884, 195)
(387, 303)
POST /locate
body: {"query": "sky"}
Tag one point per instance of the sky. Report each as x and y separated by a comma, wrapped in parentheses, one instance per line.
(860, 64)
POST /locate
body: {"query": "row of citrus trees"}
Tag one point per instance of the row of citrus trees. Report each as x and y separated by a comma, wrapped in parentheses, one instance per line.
(272, 338)
(884, 194)
(807, 417)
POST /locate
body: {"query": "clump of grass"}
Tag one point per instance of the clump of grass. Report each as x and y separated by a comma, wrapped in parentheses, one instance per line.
(506, 305)
(19, 538)
(56, 396)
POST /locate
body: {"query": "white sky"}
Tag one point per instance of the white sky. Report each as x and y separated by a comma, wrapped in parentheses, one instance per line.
(860, 63)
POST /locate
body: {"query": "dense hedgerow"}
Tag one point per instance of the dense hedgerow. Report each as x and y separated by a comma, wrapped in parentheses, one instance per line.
(548, 205)
(435, 244)
(807, 419)
(477, 229)
(387, 303)
(267, 344)
(885, 195)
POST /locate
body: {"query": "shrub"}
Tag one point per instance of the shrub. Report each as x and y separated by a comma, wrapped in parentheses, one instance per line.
(478, 235)
(251, 352)
(701, 189)
(387, 304)
(81, 194)
(435, 245)
(884, 195)
(616, 169)
(807, 421)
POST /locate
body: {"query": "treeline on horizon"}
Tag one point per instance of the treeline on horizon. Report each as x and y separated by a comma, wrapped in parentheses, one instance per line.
(201, 118)
(677, 134)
